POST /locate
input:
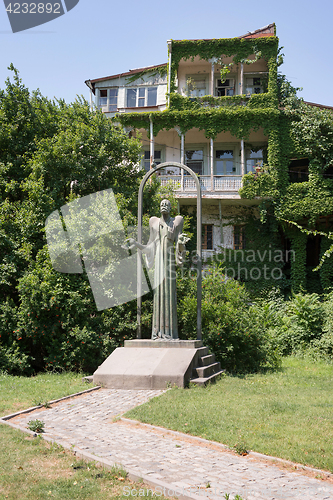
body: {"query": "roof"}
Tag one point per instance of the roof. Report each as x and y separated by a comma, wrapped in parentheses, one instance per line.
(91, 83)
(321, 106)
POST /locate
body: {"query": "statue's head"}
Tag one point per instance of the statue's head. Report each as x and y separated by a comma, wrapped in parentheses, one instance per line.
(165, 206)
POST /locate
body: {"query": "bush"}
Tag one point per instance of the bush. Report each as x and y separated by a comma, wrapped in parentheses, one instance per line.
(230, 326)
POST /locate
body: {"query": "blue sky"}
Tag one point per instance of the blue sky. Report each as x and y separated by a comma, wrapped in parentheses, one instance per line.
(104, 37)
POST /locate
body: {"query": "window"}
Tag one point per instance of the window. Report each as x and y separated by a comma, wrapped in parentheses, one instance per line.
(141, 97)
(108, 99)
(225, 88)
(239, 238)
(253, 85)
(196, 86)
(194, 159)
(254, 159)
(224, 162)
(207, 243)
(157, 159)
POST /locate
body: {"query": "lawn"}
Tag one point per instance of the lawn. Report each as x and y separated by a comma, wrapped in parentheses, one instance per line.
(32, 469)
(287, 414)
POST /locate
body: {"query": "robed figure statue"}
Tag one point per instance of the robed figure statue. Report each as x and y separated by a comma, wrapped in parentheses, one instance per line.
(164, 250)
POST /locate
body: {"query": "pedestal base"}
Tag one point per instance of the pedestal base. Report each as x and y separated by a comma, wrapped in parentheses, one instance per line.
(150, 364)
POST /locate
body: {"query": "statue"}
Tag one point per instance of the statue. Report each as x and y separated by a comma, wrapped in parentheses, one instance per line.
(164, 233)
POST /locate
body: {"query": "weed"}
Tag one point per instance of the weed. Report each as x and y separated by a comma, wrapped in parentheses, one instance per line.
(36, 425)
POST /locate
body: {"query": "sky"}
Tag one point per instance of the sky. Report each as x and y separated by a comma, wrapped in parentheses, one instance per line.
(98, 38)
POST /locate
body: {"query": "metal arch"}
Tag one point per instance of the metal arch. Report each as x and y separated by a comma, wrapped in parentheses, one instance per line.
(198, 255)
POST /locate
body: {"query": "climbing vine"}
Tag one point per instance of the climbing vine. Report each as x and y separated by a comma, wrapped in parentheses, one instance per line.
(151, 72)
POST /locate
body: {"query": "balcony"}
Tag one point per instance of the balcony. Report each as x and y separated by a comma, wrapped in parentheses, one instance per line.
(221, 183)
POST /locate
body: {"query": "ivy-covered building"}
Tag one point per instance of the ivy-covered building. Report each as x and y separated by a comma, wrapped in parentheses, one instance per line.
(214, 107)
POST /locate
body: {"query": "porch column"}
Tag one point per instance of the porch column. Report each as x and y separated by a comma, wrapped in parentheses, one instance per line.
(169, 42)
(182, 155)
(242, 158)
(241, 91)
(211, 157)
(212, 78)
(151, 142)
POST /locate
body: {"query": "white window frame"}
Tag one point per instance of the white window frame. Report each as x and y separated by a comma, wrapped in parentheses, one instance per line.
(236, 166)
(252, 163)
(198, 92)
(105, 107)
(229, 86)
(157, 161)
(139, 97)
(198, 147)
(249, 83)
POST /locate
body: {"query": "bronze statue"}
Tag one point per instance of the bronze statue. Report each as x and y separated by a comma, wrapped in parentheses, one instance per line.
(164, 233)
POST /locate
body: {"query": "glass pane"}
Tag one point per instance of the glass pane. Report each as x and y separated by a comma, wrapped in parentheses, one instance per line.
(103, 101)
(147, 155)
(194, 154)
(142, 92)
(146, 165)
(152, 96)
(219, 167)
(229, 167)
(224, 153)
(131, 98)
(195, 166)
(113, 92)
(141, 101)
(157, 155)
(103, 93)
(256, 81)
(230, 91)
(256, 154)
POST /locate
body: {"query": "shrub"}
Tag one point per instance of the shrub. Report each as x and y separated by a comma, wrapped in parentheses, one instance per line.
(230, 327)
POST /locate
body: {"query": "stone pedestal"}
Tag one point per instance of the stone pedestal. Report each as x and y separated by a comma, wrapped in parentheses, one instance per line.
(150, 364)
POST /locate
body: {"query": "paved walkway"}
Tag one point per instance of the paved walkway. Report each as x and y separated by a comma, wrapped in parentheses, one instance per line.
(191, 467)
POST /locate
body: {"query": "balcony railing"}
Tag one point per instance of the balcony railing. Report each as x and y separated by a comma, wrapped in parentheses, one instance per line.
(222, 183)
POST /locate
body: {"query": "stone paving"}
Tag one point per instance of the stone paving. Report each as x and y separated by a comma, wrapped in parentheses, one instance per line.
(190, 467)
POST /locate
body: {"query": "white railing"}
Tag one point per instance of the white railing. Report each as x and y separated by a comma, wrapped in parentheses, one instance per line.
(221, 183)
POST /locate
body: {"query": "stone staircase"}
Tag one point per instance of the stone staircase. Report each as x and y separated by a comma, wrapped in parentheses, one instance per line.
(205, 368)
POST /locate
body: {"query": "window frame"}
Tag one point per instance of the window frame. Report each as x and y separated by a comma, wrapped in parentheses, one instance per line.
(240, 230)
(158, 160)
(205, 236)
(106, 107)
(138, 97)
(236, 164)
(225, 86)
(198, 77)
(197, 147)
(259, 162)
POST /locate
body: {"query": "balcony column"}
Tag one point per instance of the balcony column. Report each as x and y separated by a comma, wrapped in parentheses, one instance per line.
(211, 158)
(182, 155)
(212, 73)
(241, 91)
(169, 42)
(242, 158)
(151, 143)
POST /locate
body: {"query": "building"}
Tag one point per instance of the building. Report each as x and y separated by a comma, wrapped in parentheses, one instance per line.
(213, 107)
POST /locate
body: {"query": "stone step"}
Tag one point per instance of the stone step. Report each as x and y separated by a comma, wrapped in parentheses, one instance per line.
(207, 360)
(202, 352)
(206, 371)
(202, 381)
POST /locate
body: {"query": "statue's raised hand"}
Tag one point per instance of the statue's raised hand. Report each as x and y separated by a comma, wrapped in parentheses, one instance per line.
(183, 239)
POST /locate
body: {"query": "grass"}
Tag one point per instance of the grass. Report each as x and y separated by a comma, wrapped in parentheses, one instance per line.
(286, 414)
(31, 468)
(19, 393)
